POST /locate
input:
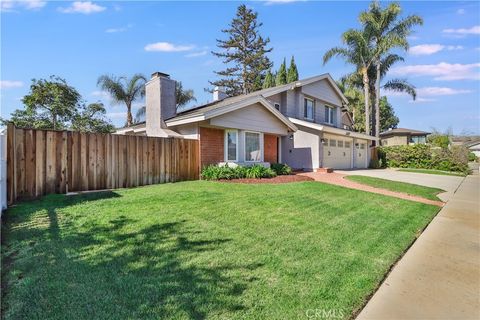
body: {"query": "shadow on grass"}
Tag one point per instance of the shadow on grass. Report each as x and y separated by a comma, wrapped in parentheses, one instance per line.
(119, 268)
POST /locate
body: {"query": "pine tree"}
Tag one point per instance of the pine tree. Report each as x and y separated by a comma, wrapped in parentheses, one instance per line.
(244, 53)
(281, 77)
(292, 71)
(269, 81)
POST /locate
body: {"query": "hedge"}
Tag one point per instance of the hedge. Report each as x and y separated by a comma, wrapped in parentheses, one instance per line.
(422, 156)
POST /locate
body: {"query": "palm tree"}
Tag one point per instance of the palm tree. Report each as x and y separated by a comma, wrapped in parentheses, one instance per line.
(182, 97)
(388, 32)
(124, 90)
(359, 52)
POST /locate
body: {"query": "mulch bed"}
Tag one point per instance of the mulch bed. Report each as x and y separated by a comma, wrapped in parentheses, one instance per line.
(277, 179)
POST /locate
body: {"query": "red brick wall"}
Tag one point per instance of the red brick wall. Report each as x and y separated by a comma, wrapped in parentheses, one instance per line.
(211, 146)
(270, 148)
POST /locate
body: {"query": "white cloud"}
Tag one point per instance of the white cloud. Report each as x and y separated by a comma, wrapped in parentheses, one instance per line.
(272, 2)
(85, 7)
(420, 100)
(9, 84)
(442, 71)
(196, 54)
(440, 91)
(121, 29)
(425, 49)
(167, 47)
(463, 31)
(428, 49)
(10, 5)
(461, 11)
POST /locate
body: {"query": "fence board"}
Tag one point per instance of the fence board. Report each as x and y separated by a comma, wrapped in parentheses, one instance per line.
(40, 162)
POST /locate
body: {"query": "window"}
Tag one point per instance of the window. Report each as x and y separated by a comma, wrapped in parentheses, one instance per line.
(253, 151)
(329, 114)
(417, 139)
(362, 146)
(347, 144)
(277, 106)
(231, 143)
(309, 104)
(340, 144)
(333, 143)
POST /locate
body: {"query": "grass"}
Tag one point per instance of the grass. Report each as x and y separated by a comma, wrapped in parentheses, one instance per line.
(202, 250)
(431, 171)
(408, 188)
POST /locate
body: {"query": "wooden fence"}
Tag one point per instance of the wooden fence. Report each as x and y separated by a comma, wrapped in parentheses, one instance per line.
(40, 162)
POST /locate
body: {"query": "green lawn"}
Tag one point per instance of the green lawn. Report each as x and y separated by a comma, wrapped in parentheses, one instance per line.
(202, 250)
(431, 171)
(409, 188)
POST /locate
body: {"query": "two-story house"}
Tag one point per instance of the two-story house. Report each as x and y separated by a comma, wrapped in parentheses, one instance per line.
(302, 124)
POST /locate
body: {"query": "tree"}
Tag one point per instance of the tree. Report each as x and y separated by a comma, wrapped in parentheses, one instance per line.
(91, 118)
(269, 81)
(388, 33)
(356, 106)
(181, 96)
(244, 52)
(124, 90)
(292, 74)
(28, 118)
(359, 52)
(281, 77)
(50, 103)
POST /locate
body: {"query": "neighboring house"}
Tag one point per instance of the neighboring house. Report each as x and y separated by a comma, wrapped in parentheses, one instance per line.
(300, 124)
(402, 136)
(474, 147)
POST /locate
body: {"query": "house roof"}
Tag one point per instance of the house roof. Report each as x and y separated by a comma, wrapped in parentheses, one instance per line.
(403, 131)
(210, 107)
(223, 107)
(332, 130)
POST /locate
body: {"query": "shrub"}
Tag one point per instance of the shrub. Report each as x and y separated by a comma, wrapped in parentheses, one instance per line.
(281, 169)
(422, 156)
(215, 172)
(472, 157)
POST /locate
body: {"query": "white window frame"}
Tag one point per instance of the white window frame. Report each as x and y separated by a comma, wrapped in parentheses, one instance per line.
(331, 111)
(225, 145)
(305, 99)
(260, 134)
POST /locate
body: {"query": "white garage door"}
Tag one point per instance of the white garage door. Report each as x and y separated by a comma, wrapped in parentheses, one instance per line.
(337, 152)
(361, 149)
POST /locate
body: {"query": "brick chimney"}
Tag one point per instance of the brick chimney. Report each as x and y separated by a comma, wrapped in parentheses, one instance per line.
(160, 102)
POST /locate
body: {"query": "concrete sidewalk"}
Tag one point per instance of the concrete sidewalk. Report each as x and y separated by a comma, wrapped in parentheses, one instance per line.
(439, 276)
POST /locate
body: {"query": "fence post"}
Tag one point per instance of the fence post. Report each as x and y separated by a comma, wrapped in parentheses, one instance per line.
(3, 170)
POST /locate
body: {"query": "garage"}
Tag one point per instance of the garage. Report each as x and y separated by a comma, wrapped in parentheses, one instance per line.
(360, 154)
(337, 152)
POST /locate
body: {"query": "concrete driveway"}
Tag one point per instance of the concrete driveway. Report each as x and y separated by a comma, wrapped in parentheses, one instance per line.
(448, 183)
(438, 277)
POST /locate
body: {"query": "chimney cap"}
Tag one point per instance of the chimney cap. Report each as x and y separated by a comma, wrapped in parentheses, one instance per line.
(160, 74)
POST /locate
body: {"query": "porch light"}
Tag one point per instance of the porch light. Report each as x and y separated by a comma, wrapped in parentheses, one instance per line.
(322, 141)
(290, 137)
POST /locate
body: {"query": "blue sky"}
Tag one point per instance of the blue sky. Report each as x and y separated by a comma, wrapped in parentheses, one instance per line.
(80, 41)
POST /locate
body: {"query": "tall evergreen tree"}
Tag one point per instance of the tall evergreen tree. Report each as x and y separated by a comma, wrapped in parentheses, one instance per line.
(281, 77)
(269, 81)
(292, 74)
(244, 53)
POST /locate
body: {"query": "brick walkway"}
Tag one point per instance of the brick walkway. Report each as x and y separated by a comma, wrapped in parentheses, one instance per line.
(338, 179)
